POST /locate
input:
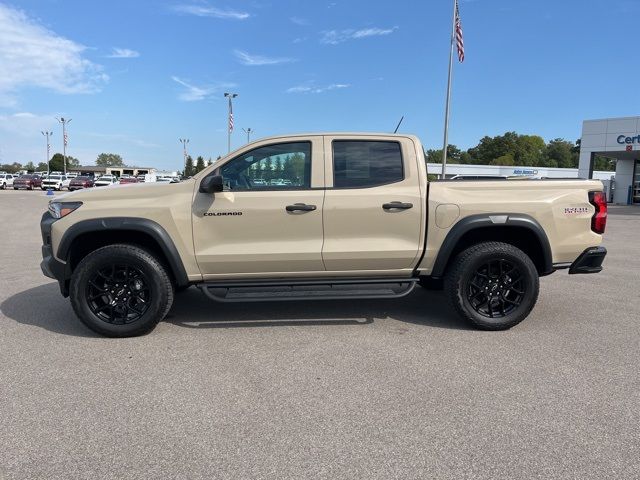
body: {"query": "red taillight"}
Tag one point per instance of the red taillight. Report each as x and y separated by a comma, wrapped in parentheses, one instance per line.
(599, 219)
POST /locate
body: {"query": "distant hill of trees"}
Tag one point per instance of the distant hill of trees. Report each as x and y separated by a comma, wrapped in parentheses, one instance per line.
(513, 149)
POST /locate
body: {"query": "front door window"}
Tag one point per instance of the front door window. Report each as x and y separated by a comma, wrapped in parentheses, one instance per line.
(283, 166)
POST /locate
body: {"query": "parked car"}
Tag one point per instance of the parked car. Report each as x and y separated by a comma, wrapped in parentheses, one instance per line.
(6, 180)
(141, 178)
(79, 183)
(125, 180)
(27, 182)
(373, 227)
(105, 181)
(55, 182)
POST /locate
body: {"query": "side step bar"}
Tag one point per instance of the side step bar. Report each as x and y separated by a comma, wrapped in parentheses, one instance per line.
(307, 289)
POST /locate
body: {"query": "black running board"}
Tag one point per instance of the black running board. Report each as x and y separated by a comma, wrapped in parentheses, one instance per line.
(307, 289)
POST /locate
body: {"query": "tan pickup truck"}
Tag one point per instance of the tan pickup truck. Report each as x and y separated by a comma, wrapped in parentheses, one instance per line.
(319, 216)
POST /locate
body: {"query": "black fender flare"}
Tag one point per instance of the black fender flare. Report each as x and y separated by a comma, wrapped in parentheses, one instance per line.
(143, 225)
(485, 220)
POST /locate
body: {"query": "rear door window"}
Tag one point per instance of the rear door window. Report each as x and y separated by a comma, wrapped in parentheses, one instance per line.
(366, 163)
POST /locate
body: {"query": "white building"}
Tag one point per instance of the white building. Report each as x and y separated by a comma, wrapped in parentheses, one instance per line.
(619, 139)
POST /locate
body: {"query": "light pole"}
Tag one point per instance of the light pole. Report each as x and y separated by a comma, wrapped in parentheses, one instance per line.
(48, 134)
(184, 142)
(248, 132)
(230, 96)
(64, 122)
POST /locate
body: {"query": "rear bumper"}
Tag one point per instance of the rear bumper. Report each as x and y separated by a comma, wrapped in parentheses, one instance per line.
(589, 261)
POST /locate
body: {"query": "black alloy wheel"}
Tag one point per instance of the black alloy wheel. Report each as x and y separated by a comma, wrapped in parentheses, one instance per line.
(496, 289)
(493, 285)
(118, 294)
(121, 290)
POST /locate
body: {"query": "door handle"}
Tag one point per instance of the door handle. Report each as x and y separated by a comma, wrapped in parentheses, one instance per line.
(397, 206)
(300, 207)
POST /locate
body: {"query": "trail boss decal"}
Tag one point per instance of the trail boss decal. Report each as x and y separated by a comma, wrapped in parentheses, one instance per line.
(575, 210)
(222, 214)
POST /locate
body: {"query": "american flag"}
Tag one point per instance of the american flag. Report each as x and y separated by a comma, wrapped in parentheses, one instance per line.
(230, 117)
(459, 39)
(66, 139)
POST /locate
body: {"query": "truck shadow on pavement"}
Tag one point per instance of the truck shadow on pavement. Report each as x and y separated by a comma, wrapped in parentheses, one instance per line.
(191, 309)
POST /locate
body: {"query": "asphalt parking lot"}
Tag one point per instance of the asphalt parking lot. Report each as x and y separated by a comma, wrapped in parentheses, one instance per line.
(342, 389)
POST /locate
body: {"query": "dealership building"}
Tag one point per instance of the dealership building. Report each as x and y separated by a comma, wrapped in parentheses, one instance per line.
(618, 139)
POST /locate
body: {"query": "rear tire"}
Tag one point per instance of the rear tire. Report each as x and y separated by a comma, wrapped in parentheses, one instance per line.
(120, 291)
(493, 285)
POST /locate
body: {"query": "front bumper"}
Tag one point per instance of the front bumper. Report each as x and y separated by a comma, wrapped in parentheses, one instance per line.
(52, 267)
(589, 261)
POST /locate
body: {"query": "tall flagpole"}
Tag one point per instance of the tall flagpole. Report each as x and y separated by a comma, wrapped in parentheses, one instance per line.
(446, 109)
(230, 118)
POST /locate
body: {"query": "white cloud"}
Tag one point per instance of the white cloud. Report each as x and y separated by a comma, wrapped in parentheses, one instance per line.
(334, 37)
(316, 89)
(208, 11)
(254, 60)
(33, 56)
(120, 137)
(195, 93)
(27, 124)
(299, 21)
(123, 53)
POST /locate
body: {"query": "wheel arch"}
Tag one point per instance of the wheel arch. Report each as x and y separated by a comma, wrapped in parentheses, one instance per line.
(83, 237)
(519, 230)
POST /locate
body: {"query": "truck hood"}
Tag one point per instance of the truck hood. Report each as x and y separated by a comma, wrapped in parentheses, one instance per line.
(131, 191)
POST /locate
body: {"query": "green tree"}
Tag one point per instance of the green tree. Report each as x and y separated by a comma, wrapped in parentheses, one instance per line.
(56, 164)
(189, 169)
(11, 167)
(42, 167)
(453, 155)
(288, 170)
(30, 167)
(199, 164)
(503, 160)
(267, 174)
(109, 160)
(279, 168)
(529, 150)
(298, 164)
(562, 152)
(604, 163)
(209, 162)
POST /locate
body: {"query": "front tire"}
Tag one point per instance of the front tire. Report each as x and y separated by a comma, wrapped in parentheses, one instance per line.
(493, 285)
(121, 291)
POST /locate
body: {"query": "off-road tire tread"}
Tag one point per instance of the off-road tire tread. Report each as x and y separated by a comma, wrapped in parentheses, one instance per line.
(86, 264)
(460, 265)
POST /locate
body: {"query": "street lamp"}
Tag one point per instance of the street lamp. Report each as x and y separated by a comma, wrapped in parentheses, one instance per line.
(64, 122)
(48, 134)
(230, 96)
(248, 132)
(184, 142)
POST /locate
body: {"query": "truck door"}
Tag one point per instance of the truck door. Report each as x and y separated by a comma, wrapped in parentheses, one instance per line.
(268, 219)
(373, 212)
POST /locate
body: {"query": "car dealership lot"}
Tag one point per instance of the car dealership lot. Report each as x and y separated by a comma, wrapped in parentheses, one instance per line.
(336, 389)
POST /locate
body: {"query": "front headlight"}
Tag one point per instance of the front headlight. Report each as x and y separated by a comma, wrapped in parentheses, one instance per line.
(62, 209)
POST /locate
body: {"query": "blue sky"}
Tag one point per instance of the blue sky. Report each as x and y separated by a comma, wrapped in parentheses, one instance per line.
(136, 76)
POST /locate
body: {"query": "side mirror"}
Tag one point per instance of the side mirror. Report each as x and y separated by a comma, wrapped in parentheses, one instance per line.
(211, 184)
